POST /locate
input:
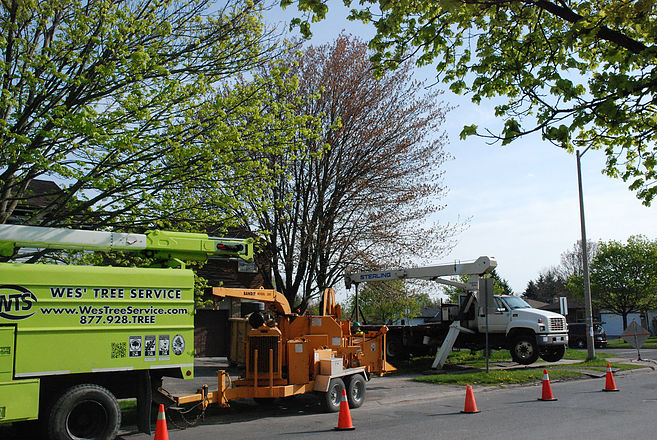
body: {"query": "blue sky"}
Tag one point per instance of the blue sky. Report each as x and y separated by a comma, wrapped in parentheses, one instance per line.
(521, 199)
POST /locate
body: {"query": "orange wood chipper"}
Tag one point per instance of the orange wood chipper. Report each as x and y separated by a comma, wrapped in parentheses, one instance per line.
(294, 354)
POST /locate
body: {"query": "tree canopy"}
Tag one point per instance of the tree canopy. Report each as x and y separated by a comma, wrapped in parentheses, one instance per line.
(579, 72)
(387, 302)
(366, 191)
(548, 286)
(624, 276)
(132, 109)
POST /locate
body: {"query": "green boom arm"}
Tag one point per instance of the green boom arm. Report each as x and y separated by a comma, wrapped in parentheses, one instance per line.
(166, 245)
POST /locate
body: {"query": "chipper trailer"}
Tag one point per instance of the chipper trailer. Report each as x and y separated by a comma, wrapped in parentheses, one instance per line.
(293, 354)
(74, 339)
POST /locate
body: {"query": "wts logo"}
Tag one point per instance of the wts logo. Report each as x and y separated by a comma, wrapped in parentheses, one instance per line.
(16, 302)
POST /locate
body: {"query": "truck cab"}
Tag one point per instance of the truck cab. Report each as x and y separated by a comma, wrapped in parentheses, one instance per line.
(528, 332)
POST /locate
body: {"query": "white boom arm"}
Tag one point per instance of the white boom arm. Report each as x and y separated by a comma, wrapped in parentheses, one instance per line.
(480, 266)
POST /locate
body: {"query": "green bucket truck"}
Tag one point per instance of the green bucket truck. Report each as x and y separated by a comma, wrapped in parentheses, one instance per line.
(74, 339)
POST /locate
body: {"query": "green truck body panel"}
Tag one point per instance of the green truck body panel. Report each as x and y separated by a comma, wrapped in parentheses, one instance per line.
(19, 399)
(62, 325)
(78, 319)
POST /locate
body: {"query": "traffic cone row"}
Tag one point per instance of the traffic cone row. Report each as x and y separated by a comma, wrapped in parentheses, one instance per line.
(471, 405)
(161, 432)
(344, 420)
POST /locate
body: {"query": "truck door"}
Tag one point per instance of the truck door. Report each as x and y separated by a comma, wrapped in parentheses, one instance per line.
(19, 399)
(498, 318)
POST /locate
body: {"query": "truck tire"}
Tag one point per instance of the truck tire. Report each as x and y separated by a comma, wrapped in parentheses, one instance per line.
(553, 354)
(331, 399)
(356, 390)
(524, 350)
(395, 349)
(85, 411)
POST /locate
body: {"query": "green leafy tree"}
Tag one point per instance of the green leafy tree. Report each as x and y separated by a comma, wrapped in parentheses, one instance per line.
(387, 301)
(579, 72)
(548, 286)
(624, 276)
(500, 286)
(132, 108)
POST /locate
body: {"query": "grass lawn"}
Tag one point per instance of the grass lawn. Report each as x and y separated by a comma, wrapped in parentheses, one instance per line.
(477, 360)
(651, 342)
(497, 377)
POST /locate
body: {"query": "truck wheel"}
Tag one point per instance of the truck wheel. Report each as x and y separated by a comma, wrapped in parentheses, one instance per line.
(395, 349)
(356, 391)
(85, 412)
(553, 354)
(524, 350)
(331, 399)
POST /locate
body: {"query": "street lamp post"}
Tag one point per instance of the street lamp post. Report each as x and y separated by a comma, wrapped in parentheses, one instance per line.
(585, 265)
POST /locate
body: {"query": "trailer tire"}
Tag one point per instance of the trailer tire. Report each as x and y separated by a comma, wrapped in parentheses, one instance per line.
(85, 411)
(356, 391)
(331, 399)
(524, 350)
(553, 354)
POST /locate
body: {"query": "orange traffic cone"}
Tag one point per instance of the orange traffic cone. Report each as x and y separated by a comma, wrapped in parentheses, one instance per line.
(547, 389)
(161, 432)
(344, 419)
(470, 404)
(610, 385)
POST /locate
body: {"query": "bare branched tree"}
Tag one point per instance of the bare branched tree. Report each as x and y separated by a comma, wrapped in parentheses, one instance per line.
(364, 192)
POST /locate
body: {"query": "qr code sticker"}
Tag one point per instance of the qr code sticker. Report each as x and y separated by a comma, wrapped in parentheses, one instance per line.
(119, 349)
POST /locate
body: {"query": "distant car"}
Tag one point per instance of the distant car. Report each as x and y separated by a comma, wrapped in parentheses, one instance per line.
(577, 335)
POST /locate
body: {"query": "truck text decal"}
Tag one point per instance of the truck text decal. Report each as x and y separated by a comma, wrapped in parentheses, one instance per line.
(374, 276)
(115, 293)
(114, 315)
(16, 302)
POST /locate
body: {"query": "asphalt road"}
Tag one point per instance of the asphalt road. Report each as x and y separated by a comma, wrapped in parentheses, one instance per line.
(398, 408)
(582, 411)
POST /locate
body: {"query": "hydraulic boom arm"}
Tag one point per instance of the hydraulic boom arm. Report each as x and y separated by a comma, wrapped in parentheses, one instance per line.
(480, 266)
(164, 245)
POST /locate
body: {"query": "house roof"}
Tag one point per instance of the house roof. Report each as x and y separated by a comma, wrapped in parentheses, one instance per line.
(40, 193)
(536, 304)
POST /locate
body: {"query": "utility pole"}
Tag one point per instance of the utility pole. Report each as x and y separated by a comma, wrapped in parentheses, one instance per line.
(585, 265)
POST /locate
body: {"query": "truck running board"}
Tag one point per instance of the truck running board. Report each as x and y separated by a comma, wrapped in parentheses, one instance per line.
(441, 355)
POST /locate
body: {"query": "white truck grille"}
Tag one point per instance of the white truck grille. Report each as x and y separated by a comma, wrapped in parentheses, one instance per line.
(557, 325)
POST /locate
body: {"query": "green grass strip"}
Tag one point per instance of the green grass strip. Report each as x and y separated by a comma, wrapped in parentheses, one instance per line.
(498, 377)
(651, 342)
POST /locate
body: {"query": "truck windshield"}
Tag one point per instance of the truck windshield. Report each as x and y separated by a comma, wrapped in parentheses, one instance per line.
(515, 302)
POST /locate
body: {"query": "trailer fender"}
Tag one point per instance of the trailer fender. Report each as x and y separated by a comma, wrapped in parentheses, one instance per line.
(322, 381)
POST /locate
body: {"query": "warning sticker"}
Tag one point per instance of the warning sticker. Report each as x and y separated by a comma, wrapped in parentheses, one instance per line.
(149, 347)
(164, 346)
(134, 344)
